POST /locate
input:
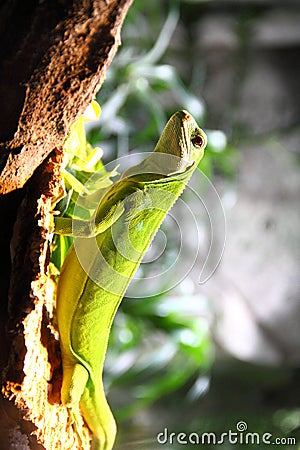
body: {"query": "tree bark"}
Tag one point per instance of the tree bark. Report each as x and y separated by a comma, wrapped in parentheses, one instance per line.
(53, 59)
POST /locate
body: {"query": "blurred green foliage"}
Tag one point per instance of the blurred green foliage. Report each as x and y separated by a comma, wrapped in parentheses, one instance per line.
(156, 349)
(143, 90)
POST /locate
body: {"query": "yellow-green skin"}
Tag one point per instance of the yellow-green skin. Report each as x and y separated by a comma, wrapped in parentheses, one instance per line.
(128, 216)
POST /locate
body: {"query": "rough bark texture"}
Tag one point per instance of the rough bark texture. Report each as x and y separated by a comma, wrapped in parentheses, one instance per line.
(62, 52)
(53, 59)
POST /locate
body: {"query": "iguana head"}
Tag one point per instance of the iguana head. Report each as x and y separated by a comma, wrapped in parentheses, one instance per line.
(180, 147)
(183, 138)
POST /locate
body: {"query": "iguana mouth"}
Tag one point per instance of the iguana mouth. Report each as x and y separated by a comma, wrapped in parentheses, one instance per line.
(185, 144)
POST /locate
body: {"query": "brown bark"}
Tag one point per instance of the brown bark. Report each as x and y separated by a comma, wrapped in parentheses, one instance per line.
(53, 59)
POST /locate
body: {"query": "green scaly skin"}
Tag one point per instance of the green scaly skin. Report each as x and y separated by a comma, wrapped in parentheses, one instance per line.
(128, 217)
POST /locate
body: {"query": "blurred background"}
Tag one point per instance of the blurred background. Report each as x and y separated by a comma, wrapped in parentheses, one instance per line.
(201, 357)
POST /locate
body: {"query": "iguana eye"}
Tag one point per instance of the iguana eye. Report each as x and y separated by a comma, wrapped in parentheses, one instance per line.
(197, 141)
